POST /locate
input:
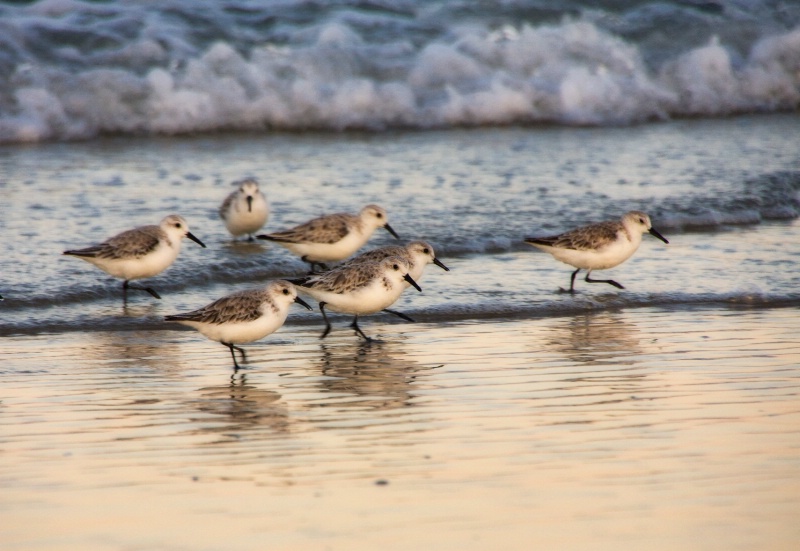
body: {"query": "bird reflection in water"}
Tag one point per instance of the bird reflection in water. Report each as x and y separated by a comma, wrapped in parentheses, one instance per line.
(595, 338)
(130, 353)
(241, 407)
(379, 375)
(602, 372)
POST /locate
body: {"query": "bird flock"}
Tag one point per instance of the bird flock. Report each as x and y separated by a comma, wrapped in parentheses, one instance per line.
(360, 285)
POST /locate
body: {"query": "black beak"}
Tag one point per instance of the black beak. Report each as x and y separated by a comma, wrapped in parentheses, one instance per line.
(390, 230)
(193, 238)
(441, 265)
(249, 203)
(412, 282)
(654, 233)
(300, 301)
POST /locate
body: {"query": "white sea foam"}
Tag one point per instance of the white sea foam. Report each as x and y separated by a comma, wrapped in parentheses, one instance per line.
(338, 72)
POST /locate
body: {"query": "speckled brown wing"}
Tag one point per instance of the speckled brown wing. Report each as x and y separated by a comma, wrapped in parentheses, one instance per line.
(238, 307)
(339, 280)
(326, 229)
(134, 243)
(223, 209)
(377, 255)
(584, 238)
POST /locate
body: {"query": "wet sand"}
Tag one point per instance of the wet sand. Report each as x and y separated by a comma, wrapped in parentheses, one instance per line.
(650, 428)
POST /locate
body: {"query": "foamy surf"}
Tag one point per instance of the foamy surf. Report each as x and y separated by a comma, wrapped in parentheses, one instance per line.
(79, 70)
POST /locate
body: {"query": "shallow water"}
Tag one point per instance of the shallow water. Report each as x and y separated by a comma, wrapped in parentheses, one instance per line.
(510, 415)
(725, 192)
(651, 427)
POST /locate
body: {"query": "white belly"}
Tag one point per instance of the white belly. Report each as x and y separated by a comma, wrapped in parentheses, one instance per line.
(608, 257)
(137, 268)
(328, 252)
(244, 222)
(365, 301)
(239, 333)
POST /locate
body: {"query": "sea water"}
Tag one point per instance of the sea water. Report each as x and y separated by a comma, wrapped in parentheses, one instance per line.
(724, 192)
(510, 414)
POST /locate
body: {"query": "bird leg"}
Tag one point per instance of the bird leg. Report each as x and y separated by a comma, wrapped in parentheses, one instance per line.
(325, 317)
(609, 281)
(241, 351)
(400, 315)
(323, 267)
(127, 285)
(355, 326)
(571, 283)
(572, 280)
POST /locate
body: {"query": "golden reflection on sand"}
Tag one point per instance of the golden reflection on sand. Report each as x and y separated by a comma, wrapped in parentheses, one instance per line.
(133, 352)
(374, 375)
(647, 429)
(602, 337)
(238, 407)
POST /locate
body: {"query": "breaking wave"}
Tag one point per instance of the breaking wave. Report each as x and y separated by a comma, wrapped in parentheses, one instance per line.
(77, 70)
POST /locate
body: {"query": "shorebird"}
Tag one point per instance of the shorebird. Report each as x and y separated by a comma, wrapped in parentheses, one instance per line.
(598, 246)
(245, 210)
(243, 317)
(333, 237)
(142, 252)
(360, 289)
(418, 254)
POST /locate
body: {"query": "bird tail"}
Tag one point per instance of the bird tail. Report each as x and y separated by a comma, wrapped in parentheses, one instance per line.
(179, 317)
(91, 252)
(543, 241)
(273, 237)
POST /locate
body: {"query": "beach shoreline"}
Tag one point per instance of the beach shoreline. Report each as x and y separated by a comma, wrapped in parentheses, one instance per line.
(651, 427)
(659, 413)
(510, 415)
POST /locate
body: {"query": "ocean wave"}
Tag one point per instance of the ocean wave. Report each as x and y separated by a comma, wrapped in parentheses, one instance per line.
(82, 69)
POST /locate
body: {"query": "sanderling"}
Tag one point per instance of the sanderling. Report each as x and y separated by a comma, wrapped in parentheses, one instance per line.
(141, 252)
(245, 210)
(598, 246)
(359, 289)
(243, 317)
(333, 237)
(418, 254)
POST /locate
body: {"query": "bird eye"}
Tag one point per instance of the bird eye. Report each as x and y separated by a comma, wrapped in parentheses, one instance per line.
(396, 267)
(177, 224)
(379, 215)
(286, 291)
(426, 250)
